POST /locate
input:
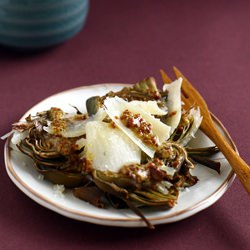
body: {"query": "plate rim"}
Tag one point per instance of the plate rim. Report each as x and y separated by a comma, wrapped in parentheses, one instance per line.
(97, 219)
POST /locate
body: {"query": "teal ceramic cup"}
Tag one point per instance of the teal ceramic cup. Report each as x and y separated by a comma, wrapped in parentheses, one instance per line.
(35, 24)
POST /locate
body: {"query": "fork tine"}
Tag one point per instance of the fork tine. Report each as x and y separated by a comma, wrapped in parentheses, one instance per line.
(195, 96)
(183, 92)
(165, 77)
(186, 105)
(186, 85)
(183, 96)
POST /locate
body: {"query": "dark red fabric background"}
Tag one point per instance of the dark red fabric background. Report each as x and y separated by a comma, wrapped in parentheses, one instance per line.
(125, 41)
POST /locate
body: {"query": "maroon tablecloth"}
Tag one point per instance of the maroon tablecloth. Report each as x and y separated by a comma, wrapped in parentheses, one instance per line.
(125, 41)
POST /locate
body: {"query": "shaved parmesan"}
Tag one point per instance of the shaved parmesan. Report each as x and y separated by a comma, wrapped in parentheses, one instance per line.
(108, 148)
(150, 107)
(169, 170)
(116, 106)
(173, 103)
(76, 128)
(99, 116)
(73, 128)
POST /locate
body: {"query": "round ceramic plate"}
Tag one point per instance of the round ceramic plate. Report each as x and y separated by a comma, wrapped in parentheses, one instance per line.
(208, 190)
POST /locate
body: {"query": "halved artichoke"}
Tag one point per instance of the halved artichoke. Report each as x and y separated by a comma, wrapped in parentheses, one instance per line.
(56, 157)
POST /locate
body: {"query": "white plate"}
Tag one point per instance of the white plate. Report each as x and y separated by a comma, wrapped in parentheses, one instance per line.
(208, 190)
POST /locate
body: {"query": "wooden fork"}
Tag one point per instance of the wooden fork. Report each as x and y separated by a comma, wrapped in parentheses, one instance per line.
(191, 97)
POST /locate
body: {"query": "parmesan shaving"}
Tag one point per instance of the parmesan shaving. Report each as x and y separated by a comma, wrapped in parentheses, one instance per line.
(173, 103)
(116, 106)
(108, 148)
(150, 107)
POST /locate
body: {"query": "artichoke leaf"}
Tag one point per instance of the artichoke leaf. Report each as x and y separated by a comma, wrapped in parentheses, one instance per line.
(109, 187)
(91, 194)
(69, 180)
(147, 85)
(93, 104)
(195, 115)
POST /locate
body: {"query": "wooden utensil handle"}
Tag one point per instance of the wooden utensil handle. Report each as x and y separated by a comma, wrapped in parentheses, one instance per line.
(240, 167)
